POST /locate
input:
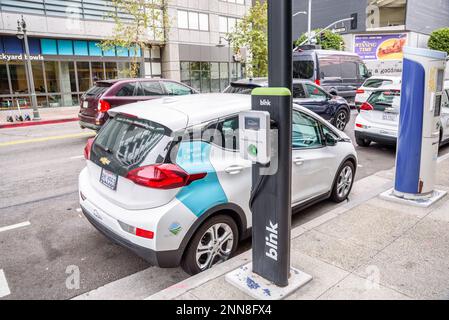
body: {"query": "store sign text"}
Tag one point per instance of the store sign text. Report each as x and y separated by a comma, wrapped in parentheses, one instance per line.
(20, 57)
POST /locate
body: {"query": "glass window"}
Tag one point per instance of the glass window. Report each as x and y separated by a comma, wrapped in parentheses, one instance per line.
(204, 22)
(176, 89)
(124, 69)
(193, 20)
(13, 45)
(111, 70)
(65, 47)
(34, 46)
(18, 78)
(298, 91)
(183, 20)
(231, 24)
(215, 76)
(97, 71)
(94, 48)
(315, 92)
(80, 48)
(151, 88)
(49, 46)
(4, 84)
(349, 70)
(52, 76)
(224, 75)
(38, 75)
(327, 131)
(127, 90)
(185, 72)
(306, 132)
(83, 76)
(363, 71)
(223, 22)
(122, 51)
(68, 80)
(110, 52)
(229, 131)
(380, 100)
(376, 83)
(303, 69)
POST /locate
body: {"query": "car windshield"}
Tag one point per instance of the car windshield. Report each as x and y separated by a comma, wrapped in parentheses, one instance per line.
(238, 88)
(376, 83)
(98, 89)
(303, 69)
(381, 100)
(130, 142)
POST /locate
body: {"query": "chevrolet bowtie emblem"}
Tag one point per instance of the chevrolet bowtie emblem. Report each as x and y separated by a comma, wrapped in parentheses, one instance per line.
(105, 161)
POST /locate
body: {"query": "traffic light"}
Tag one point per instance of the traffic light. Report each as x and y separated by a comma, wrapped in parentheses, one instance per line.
(354, 21)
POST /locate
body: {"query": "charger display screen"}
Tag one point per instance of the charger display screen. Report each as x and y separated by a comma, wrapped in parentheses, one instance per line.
(252, 123)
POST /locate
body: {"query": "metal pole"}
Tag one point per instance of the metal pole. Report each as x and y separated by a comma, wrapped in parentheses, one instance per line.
(309, 22)
(36, 115)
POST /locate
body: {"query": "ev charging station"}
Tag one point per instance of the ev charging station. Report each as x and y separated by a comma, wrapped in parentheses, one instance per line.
(265, 138)
(419, 128)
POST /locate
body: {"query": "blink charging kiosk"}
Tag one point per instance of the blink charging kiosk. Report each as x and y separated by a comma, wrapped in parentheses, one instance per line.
(419, 128)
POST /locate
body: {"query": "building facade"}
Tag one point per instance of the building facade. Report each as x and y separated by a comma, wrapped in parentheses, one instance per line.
(64, 38)
(383, 26)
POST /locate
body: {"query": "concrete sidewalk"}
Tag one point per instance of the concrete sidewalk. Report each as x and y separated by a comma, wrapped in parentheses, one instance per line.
(48, 115)
(366, 249)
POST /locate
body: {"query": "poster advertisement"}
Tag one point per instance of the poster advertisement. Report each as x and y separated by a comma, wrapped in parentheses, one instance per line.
(380, 46)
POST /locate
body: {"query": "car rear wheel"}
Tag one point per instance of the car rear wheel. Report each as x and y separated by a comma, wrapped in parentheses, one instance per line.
(343, 182)
(213, 243)
(363, 142)
(341, 120)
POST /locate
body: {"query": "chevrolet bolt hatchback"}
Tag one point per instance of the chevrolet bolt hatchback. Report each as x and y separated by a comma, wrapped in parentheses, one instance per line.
(164, 178)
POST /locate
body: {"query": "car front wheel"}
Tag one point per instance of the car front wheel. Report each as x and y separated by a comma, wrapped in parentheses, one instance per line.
(213, 243)
(341, 120)
(343, 182)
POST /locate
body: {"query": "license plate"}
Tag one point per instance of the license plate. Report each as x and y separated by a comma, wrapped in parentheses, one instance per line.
(85, 104)
(109, 179)
(389, 116)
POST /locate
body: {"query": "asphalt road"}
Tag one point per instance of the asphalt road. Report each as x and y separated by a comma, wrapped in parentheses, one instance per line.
(38, 187)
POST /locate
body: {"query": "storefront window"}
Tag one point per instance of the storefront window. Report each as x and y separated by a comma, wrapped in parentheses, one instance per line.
(52, 76)
(224, 75)
(185, 73)
(83, 76)
(4, 84)
(97, 71)
(215, 76)
(123, 69)
(18, 77)
(38, 75)
(111, 70)
(205, 77)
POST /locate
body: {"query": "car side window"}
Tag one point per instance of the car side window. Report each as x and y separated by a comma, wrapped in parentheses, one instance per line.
(176, 89)
(326, 130)
(298, 91)
(446, 99)
(151, 88)
(127, 90)
(315, 92)
(228, 130)
(306, 132)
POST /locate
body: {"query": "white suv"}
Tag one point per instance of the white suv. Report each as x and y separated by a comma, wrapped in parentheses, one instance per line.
(373, 84)
(164, 177)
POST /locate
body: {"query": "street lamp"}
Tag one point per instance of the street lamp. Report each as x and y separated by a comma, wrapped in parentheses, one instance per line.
(22, 35)
(221, 45)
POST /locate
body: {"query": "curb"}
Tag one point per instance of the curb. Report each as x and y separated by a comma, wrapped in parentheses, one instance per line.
(36, 123)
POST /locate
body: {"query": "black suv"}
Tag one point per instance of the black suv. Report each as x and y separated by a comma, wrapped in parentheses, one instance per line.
(307, 94)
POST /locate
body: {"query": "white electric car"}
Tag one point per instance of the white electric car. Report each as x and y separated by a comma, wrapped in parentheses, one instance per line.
(378, 120)
(373, 84)
(164, 178)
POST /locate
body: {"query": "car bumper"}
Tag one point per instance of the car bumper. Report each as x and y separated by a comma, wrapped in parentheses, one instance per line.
(375, 137)
(89, 125)
(163, 259)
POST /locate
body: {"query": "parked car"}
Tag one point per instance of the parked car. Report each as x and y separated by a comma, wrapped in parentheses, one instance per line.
(107, 94)
(307, 94)
(339, 73)
(173, 197)
(378, 120)
(372, 84)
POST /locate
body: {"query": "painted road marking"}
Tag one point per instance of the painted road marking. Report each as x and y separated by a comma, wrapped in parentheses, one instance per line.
(43, 139)
(15, 226)
(4, 288)
(76, 157)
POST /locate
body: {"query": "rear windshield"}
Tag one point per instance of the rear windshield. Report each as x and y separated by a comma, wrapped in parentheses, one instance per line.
(239, 88)
(98, 89)
(380, 100)
(376, 83)
(129, 143)
(303, 69)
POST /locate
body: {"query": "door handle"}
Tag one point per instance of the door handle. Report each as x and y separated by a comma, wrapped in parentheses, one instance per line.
(298, 161)
(234, 169)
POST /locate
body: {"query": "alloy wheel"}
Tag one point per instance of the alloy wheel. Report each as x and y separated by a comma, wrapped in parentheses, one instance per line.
(215, 246)
(344, 182)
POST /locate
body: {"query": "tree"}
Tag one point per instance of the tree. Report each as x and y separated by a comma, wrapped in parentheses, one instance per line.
(252, 33)
(147, 20)
(327, 40)
(439, 40)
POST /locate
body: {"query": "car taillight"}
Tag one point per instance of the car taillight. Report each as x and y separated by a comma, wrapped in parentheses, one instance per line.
(163, 176)
(103, 106)
(366, 107)
(318, 82)
(360, 91)
(87, 148)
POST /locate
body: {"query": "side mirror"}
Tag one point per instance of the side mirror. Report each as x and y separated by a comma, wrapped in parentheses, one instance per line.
(330, 139)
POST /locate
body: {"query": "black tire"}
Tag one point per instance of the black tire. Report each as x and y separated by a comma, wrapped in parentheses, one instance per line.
(341, 119)
(363, 142)
(338, 196)
(189, 260)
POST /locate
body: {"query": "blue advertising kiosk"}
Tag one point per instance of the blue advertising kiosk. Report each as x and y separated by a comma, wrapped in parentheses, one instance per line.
(419, 128)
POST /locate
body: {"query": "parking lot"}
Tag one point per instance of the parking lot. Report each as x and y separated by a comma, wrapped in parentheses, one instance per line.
(43, 235)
